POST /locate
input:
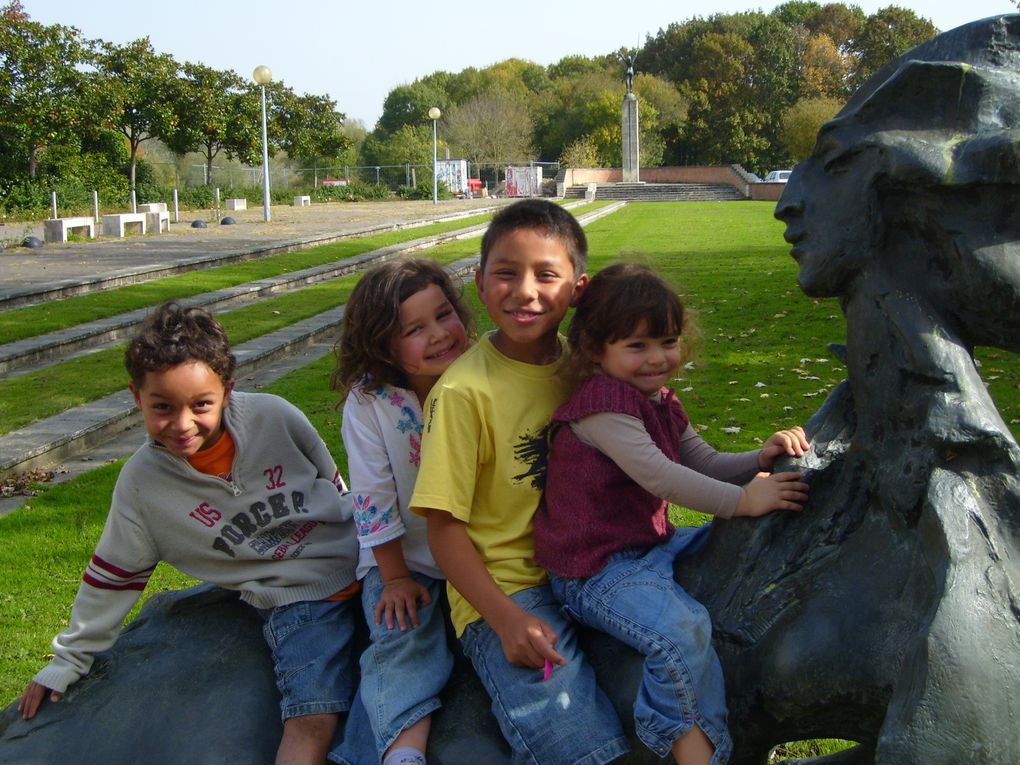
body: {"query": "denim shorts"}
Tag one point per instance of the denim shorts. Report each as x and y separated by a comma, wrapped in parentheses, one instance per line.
(402, 673)
(566, 720)
(635, 600)
(311, 643)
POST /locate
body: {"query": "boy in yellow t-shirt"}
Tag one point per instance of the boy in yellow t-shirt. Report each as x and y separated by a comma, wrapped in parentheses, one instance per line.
(483, 460)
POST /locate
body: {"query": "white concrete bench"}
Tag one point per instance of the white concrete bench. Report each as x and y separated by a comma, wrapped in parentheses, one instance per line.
(156, 215)
(303, 201)
(56, 229)
(115, 223)
(158, 221)
(236, 204)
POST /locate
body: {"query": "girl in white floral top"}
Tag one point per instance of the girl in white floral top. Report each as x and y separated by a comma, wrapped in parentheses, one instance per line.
(403, 326)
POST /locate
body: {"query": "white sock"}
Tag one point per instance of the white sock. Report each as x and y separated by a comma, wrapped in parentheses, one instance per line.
(406, 755)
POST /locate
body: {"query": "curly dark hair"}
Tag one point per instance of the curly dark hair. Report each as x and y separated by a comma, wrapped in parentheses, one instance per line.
(372, 319)
(173, 335)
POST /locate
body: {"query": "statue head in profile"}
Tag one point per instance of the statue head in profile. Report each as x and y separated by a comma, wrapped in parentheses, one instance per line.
(917, 178)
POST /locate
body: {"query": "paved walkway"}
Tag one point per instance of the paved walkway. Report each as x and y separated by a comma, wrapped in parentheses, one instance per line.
(56, 270)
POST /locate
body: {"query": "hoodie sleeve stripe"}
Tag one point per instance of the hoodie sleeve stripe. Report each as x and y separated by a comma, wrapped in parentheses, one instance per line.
(106, 576)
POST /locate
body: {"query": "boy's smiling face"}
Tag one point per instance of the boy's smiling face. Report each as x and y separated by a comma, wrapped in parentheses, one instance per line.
(183, 406)
(527, 286)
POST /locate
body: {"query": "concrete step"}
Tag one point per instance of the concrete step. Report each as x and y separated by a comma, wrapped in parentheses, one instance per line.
(659, 192)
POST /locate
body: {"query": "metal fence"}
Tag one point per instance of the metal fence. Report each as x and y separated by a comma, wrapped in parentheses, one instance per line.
(232, 174)
(492, 174)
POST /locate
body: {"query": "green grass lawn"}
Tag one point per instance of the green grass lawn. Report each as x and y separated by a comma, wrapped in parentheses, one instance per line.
(763, 364)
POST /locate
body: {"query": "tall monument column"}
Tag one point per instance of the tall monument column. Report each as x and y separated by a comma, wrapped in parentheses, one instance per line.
(631, 150)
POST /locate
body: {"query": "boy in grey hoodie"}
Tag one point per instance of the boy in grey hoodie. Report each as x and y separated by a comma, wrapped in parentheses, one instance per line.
(236, 489)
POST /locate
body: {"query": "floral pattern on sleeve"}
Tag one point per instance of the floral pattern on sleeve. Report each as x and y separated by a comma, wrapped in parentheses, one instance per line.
(367, 517)
(409, 423)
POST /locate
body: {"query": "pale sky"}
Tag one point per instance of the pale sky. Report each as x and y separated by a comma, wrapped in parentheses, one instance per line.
(356, 51)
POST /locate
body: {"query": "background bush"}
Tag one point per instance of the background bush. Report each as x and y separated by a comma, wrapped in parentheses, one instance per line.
(423, 190)
(355, 191)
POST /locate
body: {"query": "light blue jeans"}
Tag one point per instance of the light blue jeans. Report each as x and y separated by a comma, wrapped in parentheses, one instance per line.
(402, 674)
(312, 646)
(635, 600)
(566, 720)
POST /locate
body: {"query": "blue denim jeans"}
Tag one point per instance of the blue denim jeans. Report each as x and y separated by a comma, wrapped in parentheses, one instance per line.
(566, 720)
(635, 600)
(312, 654)
(402, 673)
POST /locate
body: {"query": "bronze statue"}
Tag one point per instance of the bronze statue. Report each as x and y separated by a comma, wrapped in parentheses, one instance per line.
(628, 59)
(888, 612)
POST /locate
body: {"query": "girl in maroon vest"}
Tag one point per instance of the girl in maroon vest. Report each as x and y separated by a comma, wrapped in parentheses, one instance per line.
(622, 450)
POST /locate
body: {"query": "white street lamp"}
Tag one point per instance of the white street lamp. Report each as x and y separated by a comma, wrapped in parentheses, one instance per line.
(434, 114)
(263, 75)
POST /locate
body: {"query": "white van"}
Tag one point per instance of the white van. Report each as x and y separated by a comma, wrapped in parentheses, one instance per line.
(778, 176)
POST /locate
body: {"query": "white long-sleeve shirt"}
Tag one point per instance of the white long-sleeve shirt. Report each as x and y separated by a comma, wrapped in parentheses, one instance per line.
(382, 435)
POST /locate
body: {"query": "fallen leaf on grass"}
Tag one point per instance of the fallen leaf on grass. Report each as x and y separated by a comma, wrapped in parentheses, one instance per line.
(21, 483)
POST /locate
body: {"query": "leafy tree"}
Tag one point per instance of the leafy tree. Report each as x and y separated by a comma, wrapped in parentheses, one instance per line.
(885, 35)
(839, 23)
(41, 87)
(739, 73)
(722, 126)
(602, 124)
(583, 152)
(357, 134)
(517, 77)
(773, 85)
(409, 105)
(209, 116)
(575, 107)
(824, 70)
(570, 67)
(134, 85)
(795, 12)
(801, 124)
(459, 87)
(311, 127)
(663, 115)
(410, 144)
(493, 126)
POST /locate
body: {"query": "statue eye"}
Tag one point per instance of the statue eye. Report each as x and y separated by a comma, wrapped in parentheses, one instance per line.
(840, 163)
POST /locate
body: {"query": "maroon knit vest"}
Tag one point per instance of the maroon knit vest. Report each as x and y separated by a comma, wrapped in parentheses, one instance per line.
(591, 508)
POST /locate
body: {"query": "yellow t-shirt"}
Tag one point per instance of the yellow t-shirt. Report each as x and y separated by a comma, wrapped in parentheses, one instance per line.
(483, 460)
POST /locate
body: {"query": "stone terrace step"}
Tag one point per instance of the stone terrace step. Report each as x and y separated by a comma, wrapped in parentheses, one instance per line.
(659, 192)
